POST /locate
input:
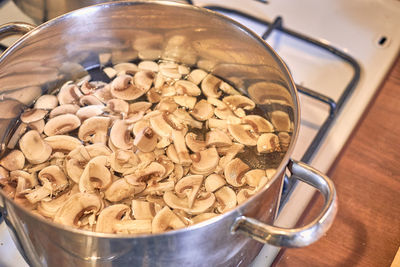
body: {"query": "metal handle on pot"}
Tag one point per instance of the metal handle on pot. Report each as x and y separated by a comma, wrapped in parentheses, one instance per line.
(15, 28)
(296, 237)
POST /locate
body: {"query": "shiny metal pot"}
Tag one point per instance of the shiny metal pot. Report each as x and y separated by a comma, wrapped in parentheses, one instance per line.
(47, 56)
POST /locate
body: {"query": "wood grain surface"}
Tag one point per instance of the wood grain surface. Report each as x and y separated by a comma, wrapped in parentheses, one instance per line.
(366, 231)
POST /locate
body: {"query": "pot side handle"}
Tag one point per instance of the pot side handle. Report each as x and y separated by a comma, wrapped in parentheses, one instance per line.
(15, 28)
(296, 237)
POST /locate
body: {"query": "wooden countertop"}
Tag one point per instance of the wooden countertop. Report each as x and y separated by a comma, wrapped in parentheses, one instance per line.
(366, 231)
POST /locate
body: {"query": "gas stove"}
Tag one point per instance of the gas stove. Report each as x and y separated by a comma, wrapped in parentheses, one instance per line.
(338, 52)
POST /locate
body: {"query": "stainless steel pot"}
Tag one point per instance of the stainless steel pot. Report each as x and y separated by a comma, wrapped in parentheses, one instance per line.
(47, 56)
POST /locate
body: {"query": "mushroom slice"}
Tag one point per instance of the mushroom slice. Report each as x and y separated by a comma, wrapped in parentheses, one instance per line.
(122, 87)
(120, 190)
(196, 76)
(40, 192)
(120, 135)
(61, 124)
(89, 111)
(148, 65)
(94, 130)
(234, 172)
(167, 163)
(86, 87)
(110, 72)
(139, 106)
(144, 79)
(69, 94)
(24, 181)
(221, 111)
(32, 115)
(133, 227)
(165, 220)
(243, 133)
(124, 160)
(188, 120)
(64, 109)
(226, 199)
(210, 85)
(213, 182)
(194, 144)
(205, 162)
(172, 154)
(217, 138)
(253, 177)
(202, 110)
(267, 143)
(281, 121)
(96, 150)
(104, 93)
(158, 188)
(185, 101)
(169, 70)
(154, 170)
(203, 203)
(89, 100)
(64, 143)
(126, 67)
(239, 101)
(259, 124)
(180, 148)
(37, 125)
(118, 106)
(48, 208)
(228, 89)
(203, 217)
(284, 140)
(110, 216)
(189, 186)
(15, 160)
(160, 126)
(167, 104)
(47, 102)
(55, 176)
(35, 149)
(146, 140)
(143, 210)
(213, 123)
(244, 194)
(76, 207)
(184, 87)
(95, 176)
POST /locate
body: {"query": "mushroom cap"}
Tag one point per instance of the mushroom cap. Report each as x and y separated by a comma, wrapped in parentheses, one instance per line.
(47, 102)
(213, 182)
(118, 106)
(172, 154)
(122, 87)
(157, 188)
(139, 106)
(200, 205)
(193, 144)
(205, 162)
(217, 138)
(146, 140)
(55, 176)
(123, 160)
(221, 111)
(202, 110)
(184, 87)
(90, 100)
(259, 124)
(148, 65)
(144, 79)
(63, 142)
(69, 94)
(243, 134)
(15, 160)
(120, 135)
(210, 85)
(164, 220)
(239, 101)
(32, 115)
(153, 170)
(253, 177)
(61, 124)
(189, 186)
(160, 126)
(89, 111)
(120, 190)
(185, 101)
(267, 143)
(234, 172)
(76, 207)
(226, 199)
(196, 76)
(63, 109)
(94, 129)
(109, 216)
(35, 149)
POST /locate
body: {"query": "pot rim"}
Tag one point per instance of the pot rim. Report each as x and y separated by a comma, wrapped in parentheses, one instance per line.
(268, 48)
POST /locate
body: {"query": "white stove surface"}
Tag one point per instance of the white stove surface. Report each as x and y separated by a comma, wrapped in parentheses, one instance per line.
(355, 27)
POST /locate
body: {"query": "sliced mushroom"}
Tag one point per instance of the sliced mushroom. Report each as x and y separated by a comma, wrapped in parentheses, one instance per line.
(122, 87)
(37, 125)
(64, 109)
(167, 164)
(139, 106)
(165, 220)
(259, 124)
(63, 143)
(95, 176)
(184, 87)
(143, 210)
(110, 216)
(87, 88)
(40, 192)
(213, 182)
(203, 217)
(125, 68)
(89, 111)
(217, 138)
(243, 133)
(120, 135)
(221, 111)
(32, 115)
(146, 140)
(205, 162)
(210, 85)
(193, 143)
(123, 160)
(118, 106)
(55, 176)
(281, 121)
(47, 102)
(267, 143)
(189, 186)
(239, 101)
(203, 203)
(228, 89)
(61, 124)
(160, 126)
(158, 188)
(185, 101)
(104, 93)
(183, 116)
(226, 199)
(244, 194)
(172, 154)
(180, 148)
(213, 123)
(15, 160)
(120, 190)
(196, 76)
(110, 72)
(202, 110)
(234, 172)
(148, 65)
(69, 94)
(253, 177)
(76, 207)
(154, 170)
(24, 181)
(94, 130)
(169, 70)
(284, 140)
(89, 100)
(49, 207)
(144, 79)
(35, 149)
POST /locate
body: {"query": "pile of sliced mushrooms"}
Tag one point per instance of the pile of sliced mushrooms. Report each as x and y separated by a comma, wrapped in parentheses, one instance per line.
(158, 148)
